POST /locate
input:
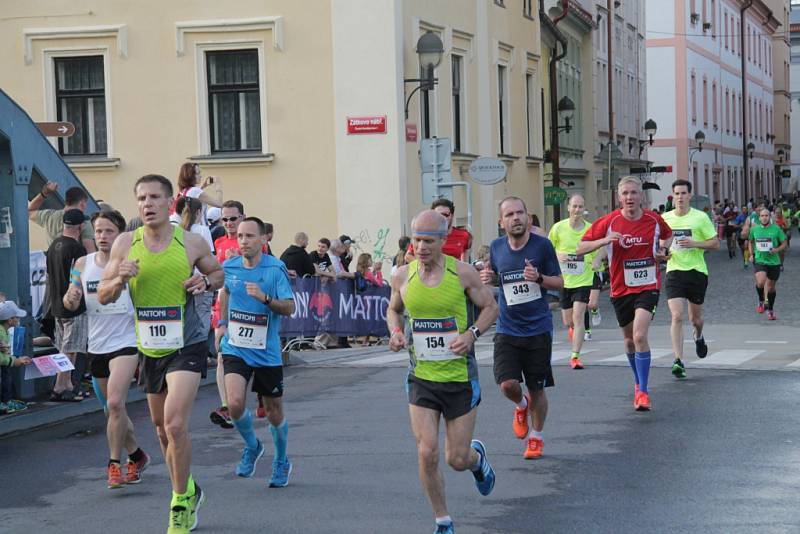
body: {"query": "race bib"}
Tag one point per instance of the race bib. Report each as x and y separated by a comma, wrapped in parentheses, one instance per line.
(248, 330)
(160, 327)
(640, 272)
(94, 307)
(573, 265)
(432, 338)
(763, 244)
(678, 236)
(517, 290)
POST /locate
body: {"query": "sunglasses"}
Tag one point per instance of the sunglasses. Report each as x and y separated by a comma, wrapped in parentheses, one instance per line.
(230, 219)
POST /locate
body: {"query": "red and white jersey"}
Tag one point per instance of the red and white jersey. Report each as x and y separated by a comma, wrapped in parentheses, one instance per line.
(632, 257)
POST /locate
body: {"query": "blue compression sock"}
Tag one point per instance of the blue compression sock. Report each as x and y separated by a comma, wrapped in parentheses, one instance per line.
(280, 435)
(245, 427)
(643, 369)
(632, 361)
(99, 393)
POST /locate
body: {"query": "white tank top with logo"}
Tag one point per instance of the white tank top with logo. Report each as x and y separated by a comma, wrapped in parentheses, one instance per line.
(111, 326)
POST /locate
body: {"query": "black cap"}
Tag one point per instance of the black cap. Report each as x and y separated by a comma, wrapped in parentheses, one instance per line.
(73, 217)
(345, 239)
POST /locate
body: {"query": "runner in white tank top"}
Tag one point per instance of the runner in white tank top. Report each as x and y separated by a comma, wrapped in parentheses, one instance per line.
(112, 348)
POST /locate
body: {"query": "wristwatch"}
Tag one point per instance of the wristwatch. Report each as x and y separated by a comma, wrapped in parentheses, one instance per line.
(540, 279)
(475, 331)
(267, 300)
(207, 281)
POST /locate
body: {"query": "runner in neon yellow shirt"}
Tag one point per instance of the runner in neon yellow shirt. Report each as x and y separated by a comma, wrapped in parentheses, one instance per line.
(687, 274)
(578, 274)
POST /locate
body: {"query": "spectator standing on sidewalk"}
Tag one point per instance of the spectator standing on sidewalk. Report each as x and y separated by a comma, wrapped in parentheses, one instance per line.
(53, 220)
(322, 260)
(9, 317)
(71, 330)
(297, 260)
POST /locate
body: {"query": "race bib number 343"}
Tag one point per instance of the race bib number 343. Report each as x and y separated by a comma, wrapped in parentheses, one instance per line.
(517, 290)
(248, 330)
(432, 338)
(160, 327)
(640, 272)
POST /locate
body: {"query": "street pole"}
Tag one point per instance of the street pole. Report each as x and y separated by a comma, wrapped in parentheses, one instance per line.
(610, 38)
(745, 162)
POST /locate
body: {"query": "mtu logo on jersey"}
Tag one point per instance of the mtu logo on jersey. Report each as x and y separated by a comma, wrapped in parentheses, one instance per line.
(434, 325)
(628, 241)
(248, 318)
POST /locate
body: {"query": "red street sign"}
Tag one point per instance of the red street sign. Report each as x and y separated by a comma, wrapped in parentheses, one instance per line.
(366, 125)
(56, 129)
(411, 132)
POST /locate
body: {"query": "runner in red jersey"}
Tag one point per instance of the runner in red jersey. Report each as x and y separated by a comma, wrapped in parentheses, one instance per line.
(458, 241)
(637, 241)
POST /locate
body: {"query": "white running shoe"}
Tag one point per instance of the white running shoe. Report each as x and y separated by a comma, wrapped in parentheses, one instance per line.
(596, 317)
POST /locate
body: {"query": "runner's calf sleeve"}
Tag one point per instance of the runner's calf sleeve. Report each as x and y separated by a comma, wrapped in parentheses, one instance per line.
(643, 369)
(280, 436)
(586, 319)
(760, 293)
(771, 299)
(245, 427)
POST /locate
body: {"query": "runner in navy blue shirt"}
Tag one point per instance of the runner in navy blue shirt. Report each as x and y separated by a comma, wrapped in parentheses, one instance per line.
(526, 266)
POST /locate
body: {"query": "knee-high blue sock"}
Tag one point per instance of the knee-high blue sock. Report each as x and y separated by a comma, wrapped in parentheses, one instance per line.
(632, 361)
(245, 427)
(280, 435)
(643, 369)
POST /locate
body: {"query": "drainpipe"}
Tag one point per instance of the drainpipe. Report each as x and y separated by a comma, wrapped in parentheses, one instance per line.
(550, 24)
(742, 43)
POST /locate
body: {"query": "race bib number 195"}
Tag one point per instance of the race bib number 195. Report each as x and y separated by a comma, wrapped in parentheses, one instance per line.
(573, 265)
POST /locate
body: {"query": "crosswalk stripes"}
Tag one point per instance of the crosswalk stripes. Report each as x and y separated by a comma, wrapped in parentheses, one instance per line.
(559, 355)
(654, 354)
(378, 360)
(795, 363)
(727, 357)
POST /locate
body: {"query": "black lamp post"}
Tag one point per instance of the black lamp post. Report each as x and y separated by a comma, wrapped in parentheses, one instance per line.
(650, 129)
(566, 110)
(429, 50)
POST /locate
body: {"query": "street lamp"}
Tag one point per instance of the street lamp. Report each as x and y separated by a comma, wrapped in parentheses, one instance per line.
(566, 110)
(650, 129)
(750, 149)
(780, 155)
(699, 139)
(429, 50)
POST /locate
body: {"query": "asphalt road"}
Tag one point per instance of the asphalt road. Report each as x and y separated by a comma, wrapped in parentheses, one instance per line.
(718, 453)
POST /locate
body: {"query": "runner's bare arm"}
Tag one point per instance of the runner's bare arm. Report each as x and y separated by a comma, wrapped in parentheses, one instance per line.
(118, 270)
(72, 298)
(200, 256)
(585, 247)
(480, 295)
(394, 313)
(222, 327)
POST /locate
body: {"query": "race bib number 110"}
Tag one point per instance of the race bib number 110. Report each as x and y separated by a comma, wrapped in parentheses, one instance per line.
(160, 327)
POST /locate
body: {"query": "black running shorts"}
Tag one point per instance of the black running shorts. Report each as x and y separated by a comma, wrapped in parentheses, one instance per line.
(625, 306)
(99, 366)
(153, 371)
(574, 294)
(773, 271)
(528, 358)
(267, 381)
(451, 399)
(690, 285)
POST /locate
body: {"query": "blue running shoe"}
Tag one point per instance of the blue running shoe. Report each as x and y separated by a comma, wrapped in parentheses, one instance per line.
(247, 466)
(446, 528)
(484, 477)
(280, 473)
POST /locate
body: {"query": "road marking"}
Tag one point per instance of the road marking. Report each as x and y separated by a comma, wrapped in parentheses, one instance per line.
(565, 354)
(654, 354)
(692, 340)
(386, 358)
(765, 342)
(727, 357)
(795, 363)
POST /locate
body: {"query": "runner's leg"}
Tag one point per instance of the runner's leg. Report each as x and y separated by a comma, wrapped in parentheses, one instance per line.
(116, 393)
(155, 401)
(676, 306)
(457, 443)
(181, 392)
(425, 426)
(538, 409)
(278, 426)
(578, 311)
(641, 325)
(630, 349)
(223, 398)
(696, 318)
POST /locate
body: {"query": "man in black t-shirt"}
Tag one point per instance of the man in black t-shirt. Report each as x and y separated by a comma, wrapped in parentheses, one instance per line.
(320, 258)
(71, 326)
(297, 261)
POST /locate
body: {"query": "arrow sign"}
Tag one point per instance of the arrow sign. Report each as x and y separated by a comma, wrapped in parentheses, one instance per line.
(56, 129)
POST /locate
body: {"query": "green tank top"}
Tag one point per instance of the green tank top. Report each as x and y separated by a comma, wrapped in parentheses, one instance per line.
(436, 316)
(158, 294)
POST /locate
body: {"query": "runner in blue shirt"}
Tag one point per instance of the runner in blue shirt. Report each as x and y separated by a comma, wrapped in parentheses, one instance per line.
(255, 296)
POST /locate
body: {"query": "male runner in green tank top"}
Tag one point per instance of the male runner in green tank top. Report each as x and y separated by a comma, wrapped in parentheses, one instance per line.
(439, 292)
(157, 264)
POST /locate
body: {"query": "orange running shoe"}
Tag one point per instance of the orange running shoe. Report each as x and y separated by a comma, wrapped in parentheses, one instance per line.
(576, 363)
(534, 449)
(636, 396)
(642, 403)
(115, 476)
(760, 307)
(521, 421)
(570, 333)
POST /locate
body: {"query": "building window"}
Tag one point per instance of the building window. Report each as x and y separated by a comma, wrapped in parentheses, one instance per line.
(502, 103)
(530, 110)
(727, 113)
(725, 31)
(499, 3)
(527, 8)
(694, 176)
(714, 105)
(233, 100)
(81, 100)
(694, 99)
(458, 101)
(713, 19)
(705, 102)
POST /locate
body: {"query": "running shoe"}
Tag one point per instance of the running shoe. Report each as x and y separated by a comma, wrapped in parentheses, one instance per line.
(642, 403)
(534, 449)
(484, 476)
(247, 465)
(596, 317)
(760, 308)
(446, 528)
(771, 315)
(261, 413)
(16, 406)
(194, 505)
(135, 469)
(222, 417)
(179, 519)
(678, 370)
(587, 336)
(575, 363)
(570, 333)
(521, 420)
(701, 348)
(280, 473)
(115, 479)
(635, 395)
